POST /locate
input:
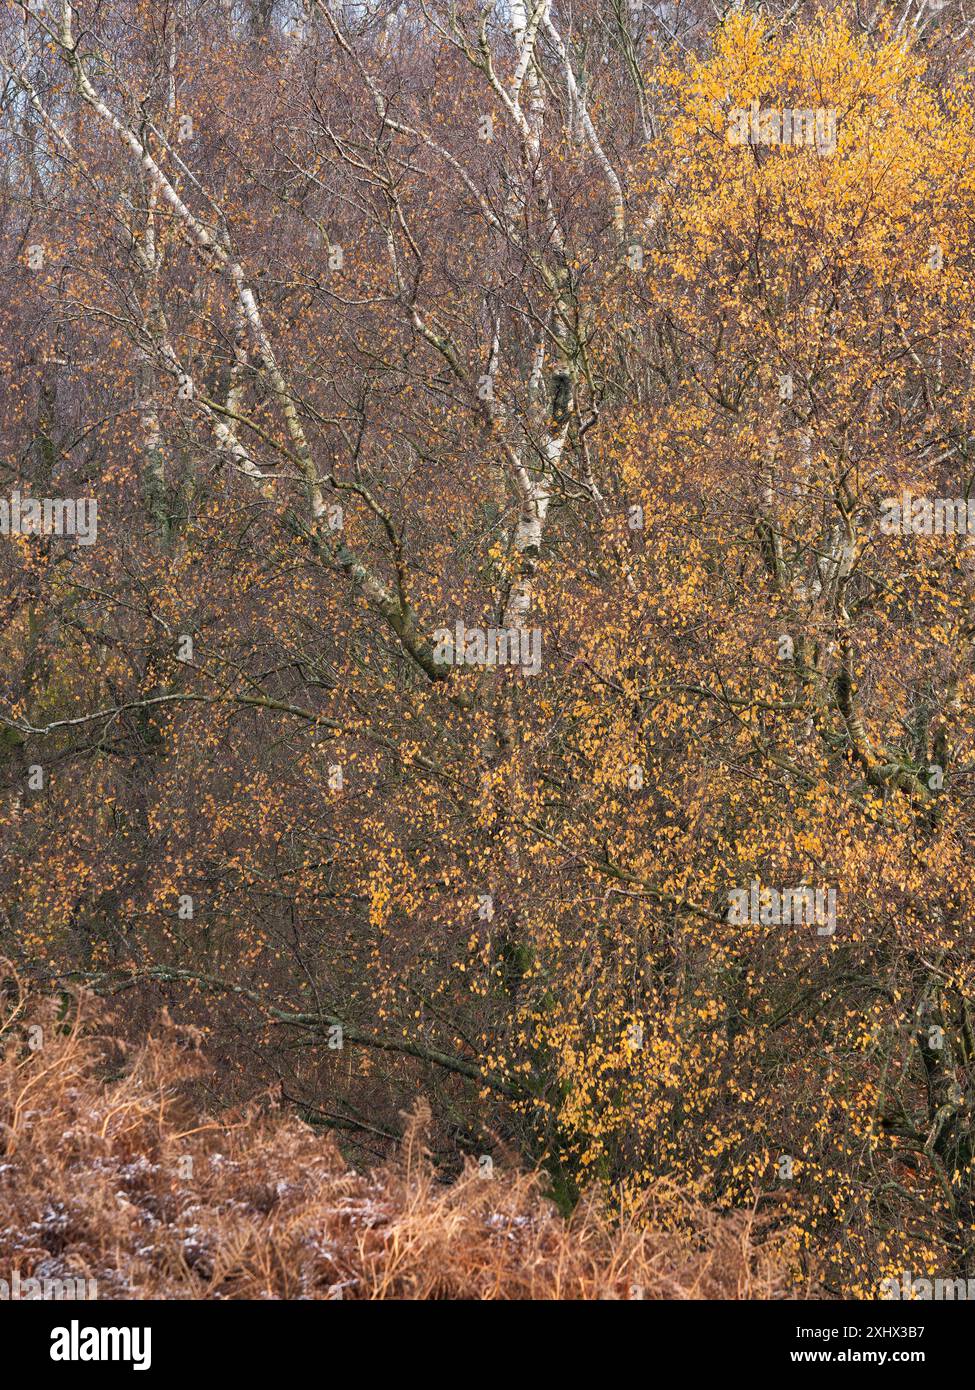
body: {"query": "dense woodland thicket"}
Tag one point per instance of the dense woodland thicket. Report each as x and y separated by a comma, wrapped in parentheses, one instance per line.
(115, 1181)
(375, 331)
